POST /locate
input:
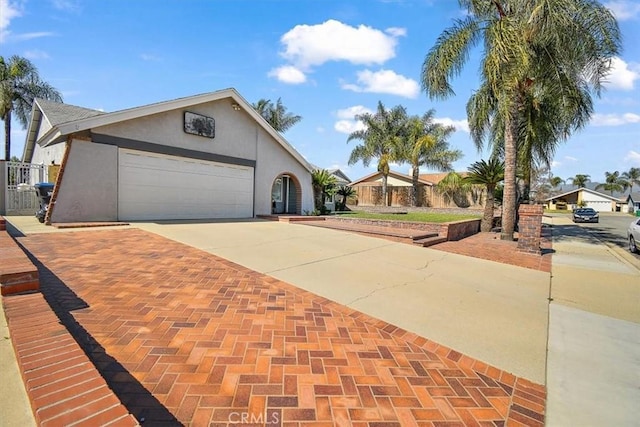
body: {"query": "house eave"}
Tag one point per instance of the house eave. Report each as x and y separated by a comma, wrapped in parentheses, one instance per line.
(58, 133)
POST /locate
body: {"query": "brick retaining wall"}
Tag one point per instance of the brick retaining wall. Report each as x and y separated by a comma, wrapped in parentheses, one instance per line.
(451, 230)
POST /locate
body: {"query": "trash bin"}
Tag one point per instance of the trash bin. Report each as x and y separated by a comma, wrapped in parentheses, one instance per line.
(43, 191)
(638, 212)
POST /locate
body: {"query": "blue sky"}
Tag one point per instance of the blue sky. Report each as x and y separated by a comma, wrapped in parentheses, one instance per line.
(326, 59)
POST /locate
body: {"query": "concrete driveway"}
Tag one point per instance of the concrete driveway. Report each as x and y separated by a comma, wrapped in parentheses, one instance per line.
(492, 312)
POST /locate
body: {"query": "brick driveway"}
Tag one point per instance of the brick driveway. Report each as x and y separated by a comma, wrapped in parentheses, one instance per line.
(185, 337)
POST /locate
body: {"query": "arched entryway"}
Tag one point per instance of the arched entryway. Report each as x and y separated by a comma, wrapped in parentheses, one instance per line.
(286, 195)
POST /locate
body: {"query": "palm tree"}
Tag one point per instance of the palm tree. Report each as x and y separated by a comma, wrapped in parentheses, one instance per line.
(555, 181)
(613, 182)
(632, 176)
(381, 139)
(489, 174)
(552, 52)
(276, 115)
(452, 185)
(20, 84)
(425, 144)
(345, 191)
(323, 184)
(580, 180)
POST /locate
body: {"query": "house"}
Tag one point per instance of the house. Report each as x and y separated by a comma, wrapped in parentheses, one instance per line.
(583, 197)
(342, 180)
(633, 202)
(204, 156)
(369, 191)
(399, 186)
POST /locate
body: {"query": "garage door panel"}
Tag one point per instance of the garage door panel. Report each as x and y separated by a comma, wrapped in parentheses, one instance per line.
(164, 187)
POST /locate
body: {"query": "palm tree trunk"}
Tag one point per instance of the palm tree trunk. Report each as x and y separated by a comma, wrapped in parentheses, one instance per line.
(414, 190)
(509, 197)
(7, 136)
(384, 190)
(487, 218)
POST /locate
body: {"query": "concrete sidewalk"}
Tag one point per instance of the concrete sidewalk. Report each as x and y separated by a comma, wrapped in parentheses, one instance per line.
(15, 409)
(594, 332)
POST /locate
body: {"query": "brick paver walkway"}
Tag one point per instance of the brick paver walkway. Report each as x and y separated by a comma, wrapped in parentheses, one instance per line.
(185, 337)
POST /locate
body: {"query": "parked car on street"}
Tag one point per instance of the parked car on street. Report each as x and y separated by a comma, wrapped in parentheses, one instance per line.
(633, 235)
(585, 215)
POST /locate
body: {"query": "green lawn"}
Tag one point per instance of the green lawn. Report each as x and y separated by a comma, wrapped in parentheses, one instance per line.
(410, 216)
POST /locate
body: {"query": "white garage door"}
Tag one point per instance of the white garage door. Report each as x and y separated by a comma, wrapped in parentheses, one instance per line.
(155, 186)
(599, 205)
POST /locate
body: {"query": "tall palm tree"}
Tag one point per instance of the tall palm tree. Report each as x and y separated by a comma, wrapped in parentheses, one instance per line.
(489, 174)
(381, 138)
(20, 84)
(425, 144)
(276, 115)
(555, 51)
(632, 176)
(580, 180)
(613, 182)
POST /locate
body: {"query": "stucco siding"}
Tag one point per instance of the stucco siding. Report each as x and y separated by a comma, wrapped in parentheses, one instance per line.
(89, 190)
(47, 155)
(590, 197)
(235, 131)
(274, 160)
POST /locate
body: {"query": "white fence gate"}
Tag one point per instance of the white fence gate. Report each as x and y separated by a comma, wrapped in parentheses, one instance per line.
(21, 197)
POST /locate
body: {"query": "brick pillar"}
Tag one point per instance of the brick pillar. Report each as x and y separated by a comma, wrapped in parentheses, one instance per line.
(530, 228)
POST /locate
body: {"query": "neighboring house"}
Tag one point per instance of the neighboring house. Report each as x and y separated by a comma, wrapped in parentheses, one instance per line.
(369, 190)
(633, 202)
(590, 198)
(199, 157)
(341, 180)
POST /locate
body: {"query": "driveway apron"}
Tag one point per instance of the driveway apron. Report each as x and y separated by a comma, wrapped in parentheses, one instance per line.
(186, 337)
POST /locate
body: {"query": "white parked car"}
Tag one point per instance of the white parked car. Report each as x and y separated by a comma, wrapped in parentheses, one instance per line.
(633, 235)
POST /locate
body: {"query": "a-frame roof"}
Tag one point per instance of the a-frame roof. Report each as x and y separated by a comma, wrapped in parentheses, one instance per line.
(615, 199)
(81, 119)
(397, 175)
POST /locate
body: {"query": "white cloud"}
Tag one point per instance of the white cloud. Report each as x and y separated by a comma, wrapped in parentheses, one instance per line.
(8, 11)
(624, 10)
(320, 129)
(571, 159)
(288, 74)
(632, 157)
(312, 45)
(66, 5)
(396, 31)
(555, 164)
(622, 75)
(347, 123)
(31, 36)
(150, 57)
(614, 119)
(462, 125)
(384, 81)
(348, 126)
(36, 54)
(352, 112)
